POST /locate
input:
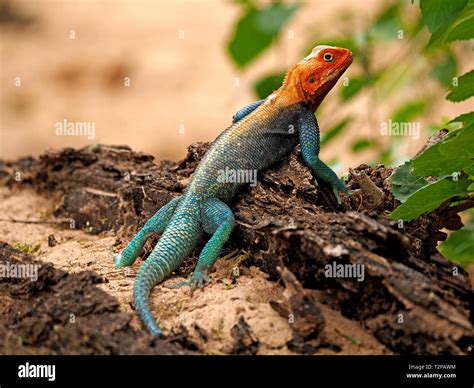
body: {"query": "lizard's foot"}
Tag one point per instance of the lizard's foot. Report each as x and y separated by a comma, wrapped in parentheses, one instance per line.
(337, 186)
(198, 280)
(118, 260)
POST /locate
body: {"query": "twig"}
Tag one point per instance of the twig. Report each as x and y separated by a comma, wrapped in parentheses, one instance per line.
(368, 187)
(468, 204)
(433, 139)
(33, 221)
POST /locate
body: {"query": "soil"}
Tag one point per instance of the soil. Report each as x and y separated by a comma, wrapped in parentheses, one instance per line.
(69, 210)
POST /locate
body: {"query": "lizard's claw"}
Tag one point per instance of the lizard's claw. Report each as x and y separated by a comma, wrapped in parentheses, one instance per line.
(198, 280)
(118, 261)
(338, 186)
(336, 194)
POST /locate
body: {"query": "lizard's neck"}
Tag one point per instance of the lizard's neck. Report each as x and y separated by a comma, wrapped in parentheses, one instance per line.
(291, 92)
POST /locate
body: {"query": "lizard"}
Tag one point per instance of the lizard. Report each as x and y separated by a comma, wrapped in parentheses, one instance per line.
(260, 135)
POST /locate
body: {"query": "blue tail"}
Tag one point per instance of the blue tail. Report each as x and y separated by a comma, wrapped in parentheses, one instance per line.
(177, 242)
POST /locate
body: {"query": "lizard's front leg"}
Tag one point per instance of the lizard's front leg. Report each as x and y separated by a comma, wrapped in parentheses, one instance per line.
(309, 141)
(216, 219)
(155, 224)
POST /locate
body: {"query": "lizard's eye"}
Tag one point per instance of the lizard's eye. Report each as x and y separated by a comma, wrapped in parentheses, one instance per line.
(328, 57)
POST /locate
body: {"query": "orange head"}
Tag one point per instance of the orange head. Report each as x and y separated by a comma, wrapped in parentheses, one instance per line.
(315, 75)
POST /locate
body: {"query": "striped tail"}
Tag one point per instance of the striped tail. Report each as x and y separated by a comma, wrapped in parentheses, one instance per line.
(176, 243)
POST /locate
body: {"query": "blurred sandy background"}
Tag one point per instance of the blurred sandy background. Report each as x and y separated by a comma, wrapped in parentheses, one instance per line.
(181, 90)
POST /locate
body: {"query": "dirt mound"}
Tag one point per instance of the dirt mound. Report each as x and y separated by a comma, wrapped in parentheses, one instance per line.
(61, 313)
(408, 299)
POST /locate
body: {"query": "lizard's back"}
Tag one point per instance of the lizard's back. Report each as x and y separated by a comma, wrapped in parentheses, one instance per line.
(252, 144)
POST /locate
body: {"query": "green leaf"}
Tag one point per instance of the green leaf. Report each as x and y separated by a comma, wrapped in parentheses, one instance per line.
(469, 169)
(459, 246)
(404, 183)
(438, 13)
(333, 132)
(462, 31)
(445, 70)
(257, 29)
(362, 144)
(448, 156)
(353, 87)
(441, 35)
(465, 88)
(443, 123)
(387, 24)
(386, 155)
(466, 118)
(27, 248)
(246, 3)
(430, 197)
(409, 111)
(266, 85)
(461, 144)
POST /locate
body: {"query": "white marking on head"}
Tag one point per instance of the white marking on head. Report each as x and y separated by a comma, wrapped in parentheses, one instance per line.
(316, 51)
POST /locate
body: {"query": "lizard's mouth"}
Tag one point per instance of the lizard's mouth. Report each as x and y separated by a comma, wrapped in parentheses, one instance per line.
(350, 57)
(346, 60)
(329, 80)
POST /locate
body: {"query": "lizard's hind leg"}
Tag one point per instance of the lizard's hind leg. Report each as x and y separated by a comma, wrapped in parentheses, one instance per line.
(216, 219)
(156, 224)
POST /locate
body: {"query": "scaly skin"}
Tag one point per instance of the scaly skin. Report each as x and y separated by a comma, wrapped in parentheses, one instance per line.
(262, 133)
